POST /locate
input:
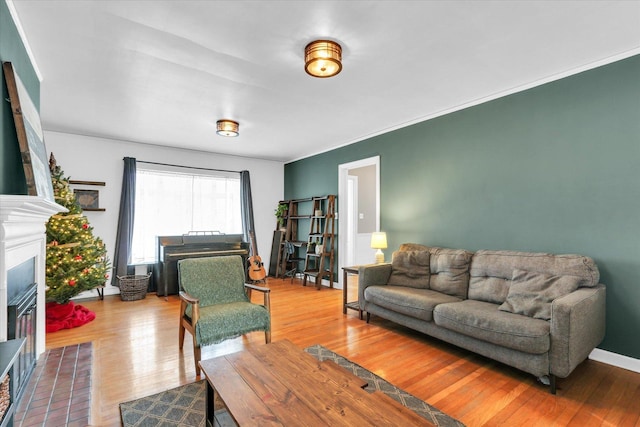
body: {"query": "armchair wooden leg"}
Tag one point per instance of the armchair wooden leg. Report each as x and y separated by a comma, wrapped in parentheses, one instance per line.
(196, 357)
(181, 335)
(267, 336)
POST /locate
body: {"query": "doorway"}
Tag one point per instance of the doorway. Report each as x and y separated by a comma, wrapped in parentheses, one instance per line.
(358, 210)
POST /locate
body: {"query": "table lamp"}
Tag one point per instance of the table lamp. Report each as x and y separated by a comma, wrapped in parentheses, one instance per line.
(379, 242)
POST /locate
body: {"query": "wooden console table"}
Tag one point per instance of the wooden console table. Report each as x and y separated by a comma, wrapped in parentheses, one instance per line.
(278, 384)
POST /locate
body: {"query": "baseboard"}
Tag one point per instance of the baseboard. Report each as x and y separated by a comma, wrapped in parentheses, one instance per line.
(615, 359)
(327, 284)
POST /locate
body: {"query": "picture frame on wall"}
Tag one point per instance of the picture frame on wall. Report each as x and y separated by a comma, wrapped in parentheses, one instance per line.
(88, 199)
(30, 136)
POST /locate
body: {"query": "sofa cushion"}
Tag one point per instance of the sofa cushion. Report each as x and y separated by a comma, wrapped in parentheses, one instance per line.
(491, 271)
(483, 321)
(531, 294)
(449, 268)
(450, 271)
(414, 302)
(410, 268)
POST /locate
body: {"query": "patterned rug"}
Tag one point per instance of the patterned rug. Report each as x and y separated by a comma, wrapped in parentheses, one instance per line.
(184, 406)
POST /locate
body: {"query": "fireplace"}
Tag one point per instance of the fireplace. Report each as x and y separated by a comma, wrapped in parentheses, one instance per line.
(22, 319)
(23, 255)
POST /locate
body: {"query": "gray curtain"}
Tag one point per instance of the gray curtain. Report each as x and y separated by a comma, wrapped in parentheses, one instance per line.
(246, 206)
(124, 234)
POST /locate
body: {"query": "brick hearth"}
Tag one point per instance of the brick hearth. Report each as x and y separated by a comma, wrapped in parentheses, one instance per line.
(59, 391)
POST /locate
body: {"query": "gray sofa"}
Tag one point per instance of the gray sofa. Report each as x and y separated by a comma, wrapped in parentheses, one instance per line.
(540, 313)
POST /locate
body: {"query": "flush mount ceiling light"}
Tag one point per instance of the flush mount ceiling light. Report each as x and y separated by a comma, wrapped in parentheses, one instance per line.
(323, 58)
(227, 128)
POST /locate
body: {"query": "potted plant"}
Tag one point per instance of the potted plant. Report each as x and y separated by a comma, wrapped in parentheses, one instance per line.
(280, 212)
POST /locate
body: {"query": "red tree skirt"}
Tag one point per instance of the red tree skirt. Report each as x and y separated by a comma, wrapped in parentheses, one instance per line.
(67, 316)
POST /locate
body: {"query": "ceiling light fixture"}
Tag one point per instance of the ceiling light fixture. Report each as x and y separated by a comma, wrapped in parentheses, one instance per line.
(227, 128)
(323, 58)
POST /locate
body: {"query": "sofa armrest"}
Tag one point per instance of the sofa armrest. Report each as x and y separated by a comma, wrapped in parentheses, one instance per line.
(577, 327)
(372, 274)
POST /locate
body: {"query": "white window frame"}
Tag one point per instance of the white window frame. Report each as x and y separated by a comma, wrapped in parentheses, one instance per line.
(187, 204)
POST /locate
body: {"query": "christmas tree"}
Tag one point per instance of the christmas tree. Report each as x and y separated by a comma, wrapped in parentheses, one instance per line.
(76, 259)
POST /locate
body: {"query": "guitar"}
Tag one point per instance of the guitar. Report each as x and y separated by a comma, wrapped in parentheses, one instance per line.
(256, 267)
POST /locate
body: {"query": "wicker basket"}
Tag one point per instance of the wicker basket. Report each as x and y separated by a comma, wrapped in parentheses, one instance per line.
(133, 288)
(5, 396)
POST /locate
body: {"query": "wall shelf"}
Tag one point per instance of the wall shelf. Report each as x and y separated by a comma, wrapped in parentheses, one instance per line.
(97, 183)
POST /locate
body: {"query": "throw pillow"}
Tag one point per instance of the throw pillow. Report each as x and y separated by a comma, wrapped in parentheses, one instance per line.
(410, 268)
(412, 247)
(531, 294)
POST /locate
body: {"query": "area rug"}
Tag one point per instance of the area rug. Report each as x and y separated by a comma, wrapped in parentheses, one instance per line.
(184, 406)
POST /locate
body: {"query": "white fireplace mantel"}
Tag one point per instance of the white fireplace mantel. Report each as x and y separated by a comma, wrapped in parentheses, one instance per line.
(22, 237)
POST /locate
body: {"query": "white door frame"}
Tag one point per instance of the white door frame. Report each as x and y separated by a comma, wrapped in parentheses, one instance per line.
(351, 218)
(343, 172)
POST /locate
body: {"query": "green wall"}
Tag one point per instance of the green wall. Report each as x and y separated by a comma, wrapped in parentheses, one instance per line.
(552, 169)
(12, 180)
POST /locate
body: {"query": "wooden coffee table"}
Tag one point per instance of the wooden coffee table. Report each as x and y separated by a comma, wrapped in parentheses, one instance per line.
(278, 384)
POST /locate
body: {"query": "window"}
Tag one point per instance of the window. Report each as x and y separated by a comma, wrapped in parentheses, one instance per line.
(170, 202)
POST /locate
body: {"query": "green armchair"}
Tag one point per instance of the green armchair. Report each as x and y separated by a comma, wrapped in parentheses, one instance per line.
(216, 302)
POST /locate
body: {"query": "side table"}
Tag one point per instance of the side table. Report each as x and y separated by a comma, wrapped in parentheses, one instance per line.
(354, 305)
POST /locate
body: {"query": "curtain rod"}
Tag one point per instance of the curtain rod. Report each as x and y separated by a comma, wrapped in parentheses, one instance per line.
(187, 167)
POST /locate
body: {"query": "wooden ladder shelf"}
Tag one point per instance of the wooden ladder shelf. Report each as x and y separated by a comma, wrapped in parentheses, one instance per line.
(319, 259)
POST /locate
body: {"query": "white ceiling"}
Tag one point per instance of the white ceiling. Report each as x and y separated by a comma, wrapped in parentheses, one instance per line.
(163, 72)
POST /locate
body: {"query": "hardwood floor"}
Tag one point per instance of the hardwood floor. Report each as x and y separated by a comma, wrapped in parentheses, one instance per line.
(136, 354)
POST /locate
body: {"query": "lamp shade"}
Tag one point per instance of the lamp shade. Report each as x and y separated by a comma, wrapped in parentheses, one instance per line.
(226, 127)
(323, 58)
(379, 240)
